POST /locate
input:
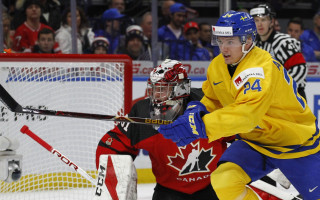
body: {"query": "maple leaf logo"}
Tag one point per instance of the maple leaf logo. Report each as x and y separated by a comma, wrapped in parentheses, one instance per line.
(191, 159)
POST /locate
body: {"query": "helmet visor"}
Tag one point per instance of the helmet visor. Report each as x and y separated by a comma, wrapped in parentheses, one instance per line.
(223, 37)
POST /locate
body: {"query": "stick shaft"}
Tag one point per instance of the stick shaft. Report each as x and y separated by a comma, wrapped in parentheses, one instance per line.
(14, 106)
(63, 158)
(137, 120)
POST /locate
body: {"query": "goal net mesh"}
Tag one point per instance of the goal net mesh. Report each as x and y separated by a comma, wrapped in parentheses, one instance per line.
(75, 86)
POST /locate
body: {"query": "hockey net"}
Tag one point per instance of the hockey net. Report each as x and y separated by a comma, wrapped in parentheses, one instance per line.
(77, 83)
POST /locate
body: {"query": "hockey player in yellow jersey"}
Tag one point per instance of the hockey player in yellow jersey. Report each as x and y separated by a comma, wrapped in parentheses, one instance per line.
(249, 94)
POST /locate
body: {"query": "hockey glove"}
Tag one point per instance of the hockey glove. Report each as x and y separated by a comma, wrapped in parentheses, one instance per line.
(188, 127)
(195, 106)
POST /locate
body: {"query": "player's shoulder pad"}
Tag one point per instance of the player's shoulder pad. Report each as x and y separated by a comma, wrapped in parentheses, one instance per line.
(243, 77)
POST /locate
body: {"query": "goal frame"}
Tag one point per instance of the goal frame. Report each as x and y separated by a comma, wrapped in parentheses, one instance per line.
(88, 74)
(113, 58)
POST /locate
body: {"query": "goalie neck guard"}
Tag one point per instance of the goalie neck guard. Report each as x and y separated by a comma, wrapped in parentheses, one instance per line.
(168, 86)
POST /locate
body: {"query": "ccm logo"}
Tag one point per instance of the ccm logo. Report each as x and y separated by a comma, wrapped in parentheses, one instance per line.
(64, 159)
(101, 177)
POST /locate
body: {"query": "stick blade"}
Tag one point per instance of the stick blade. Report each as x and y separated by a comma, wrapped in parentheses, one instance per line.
(9, 101)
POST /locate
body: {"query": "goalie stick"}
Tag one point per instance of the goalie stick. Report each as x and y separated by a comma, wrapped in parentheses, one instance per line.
(25, 130)
(14, 106)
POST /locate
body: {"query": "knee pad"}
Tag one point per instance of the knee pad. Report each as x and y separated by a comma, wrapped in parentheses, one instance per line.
(229, 181)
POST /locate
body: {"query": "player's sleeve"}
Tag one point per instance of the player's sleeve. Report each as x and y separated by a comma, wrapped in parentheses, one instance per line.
(252, 101)
(298, 68)
(115, 142)
(120, 139)
(295, 63)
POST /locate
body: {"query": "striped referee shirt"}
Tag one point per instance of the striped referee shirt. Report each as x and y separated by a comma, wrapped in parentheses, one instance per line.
(287, 51)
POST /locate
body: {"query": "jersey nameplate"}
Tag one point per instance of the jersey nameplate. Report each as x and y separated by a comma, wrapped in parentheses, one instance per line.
(244, 76)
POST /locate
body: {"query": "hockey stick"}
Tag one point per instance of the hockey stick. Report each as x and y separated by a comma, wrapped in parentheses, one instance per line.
(274, 190)
(14, 106)
(25, 130)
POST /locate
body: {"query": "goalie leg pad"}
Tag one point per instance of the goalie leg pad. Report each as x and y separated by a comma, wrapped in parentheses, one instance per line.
(117, 178)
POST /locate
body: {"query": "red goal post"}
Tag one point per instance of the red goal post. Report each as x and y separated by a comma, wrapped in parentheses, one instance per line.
(87, 83)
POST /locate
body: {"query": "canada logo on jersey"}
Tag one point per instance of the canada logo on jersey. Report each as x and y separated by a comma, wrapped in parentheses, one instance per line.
(192, 159)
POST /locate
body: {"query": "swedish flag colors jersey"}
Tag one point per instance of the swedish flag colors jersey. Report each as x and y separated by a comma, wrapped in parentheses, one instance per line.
(260, 103)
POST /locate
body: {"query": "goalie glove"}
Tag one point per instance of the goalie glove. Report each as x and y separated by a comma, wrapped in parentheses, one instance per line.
(188, 127)
(195, 106)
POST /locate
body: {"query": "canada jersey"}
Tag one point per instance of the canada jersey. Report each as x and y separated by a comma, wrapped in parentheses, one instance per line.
(185, 169)
(260, 103)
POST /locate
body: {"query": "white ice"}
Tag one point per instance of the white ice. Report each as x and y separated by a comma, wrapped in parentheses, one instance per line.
(145, 192)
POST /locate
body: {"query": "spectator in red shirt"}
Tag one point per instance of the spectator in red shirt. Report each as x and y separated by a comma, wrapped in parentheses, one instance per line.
(50, 13)
(26, 34)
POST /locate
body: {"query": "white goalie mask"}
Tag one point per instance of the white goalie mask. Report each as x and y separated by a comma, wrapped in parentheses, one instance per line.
(167, 87)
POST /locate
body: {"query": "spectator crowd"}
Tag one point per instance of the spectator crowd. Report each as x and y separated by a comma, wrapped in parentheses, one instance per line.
(45, 26)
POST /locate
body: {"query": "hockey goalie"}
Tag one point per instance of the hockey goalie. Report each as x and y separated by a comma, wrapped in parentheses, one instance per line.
(180, 172)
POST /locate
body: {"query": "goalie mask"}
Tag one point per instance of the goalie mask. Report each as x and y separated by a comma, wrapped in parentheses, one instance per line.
(168, 86)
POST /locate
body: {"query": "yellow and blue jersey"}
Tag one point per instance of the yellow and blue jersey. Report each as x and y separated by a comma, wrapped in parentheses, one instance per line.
(260, 103)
